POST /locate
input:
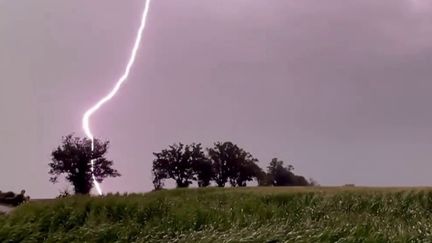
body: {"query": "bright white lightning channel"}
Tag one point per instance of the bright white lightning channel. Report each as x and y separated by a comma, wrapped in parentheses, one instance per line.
(110, 95)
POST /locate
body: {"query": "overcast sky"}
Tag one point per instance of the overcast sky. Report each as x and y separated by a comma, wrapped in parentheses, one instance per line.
(341, 89)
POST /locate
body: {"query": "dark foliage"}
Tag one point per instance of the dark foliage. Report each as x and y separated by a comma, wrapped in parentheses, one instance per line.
(279, 175)
(182, 163)
(203, 171)
(232, 164)
(10, 198)
(73, 159)
(224, 163)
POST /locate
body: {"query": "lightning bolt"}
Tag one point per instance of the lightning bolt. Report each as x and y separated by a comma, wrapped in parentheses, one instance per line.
(88, 114)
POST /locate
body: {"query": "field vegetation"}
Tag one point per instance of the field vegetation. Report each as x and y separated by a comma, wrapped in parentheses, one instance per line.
(263, 214)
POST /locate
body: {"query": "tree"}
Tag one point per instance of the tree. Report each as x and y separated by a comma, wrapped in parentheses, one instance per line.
(182, 163)
(218, 156)
(73, 159)
(279, 175)
(233, 164)
(300, 181)
(248, 171)
(203, 171)
(264, 179)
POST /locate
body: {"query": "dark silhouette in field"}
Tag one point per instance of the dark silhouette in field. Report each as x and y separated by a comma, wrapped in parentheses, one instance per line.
(73, 160)
(223, 163)
(232, 164)
(10, 198)
(204, 172)
(182, 163)
(279, 175)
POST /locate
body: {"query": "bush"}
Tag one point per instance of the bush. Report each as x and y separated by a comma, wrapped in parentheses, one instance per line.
(10, 198)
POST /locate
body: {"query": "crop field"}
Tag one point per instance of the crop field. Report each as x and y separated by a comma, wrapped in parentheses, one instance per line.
(229, 215)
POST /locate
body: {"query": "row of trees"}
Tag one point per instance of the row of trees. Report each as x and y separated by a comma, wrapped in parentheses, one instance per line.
(224, 163)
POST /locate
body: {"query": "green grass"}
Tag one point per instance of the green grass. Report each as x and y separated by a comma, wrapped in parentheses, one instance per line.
(229, 215)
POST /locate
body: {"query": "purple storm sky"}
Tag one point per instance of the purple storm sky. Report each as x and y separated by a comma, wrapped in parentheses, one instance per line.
(341, 89)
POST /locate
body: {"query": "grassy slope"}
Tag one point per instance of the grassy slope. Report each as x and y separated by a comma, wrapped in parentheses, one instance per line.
(229, 215)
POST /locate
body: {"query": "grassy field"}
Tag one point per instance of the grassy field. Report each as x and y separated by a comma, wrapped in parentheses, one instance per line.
(229, 215)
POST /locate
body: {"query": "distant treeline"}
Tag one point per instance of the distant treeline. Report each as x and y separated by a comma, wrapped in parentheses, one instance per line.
(224, 163)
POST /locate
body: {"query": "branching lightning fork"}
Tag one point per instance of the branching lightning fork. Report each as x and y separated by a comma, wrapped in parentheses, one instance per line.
(123, 78)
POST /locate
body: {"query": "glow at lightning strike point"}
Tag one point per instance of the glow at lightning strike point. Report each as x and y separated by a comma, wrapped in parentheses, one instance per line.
(123, 78)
